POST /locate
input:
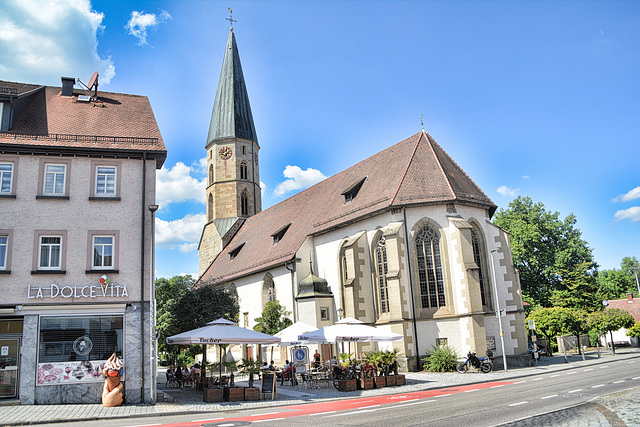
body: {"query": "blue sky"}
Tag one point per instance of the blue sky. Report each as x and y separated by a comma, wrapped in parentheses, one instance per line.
(532, 98)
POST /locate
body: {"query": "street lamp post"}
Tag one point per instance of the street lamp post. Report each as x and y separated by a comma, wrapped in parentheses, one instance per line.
(495, 291)
(635, 270)
(152, 293)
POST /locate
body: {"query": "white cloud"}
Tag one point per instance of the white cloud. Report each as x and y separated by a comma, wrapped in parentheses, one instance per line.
(183, 234)
(263, 189)
(298, 179)
(506, 191)
(632, 214)
(41, 41)
(526, 177)
(631, 195)
(176, 185)
(141, 24)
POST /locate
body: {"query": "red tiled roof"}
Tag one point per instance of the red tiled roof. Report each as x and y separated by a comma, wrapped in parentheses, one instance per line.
(413, 171)
(115, 122)
(632, 307)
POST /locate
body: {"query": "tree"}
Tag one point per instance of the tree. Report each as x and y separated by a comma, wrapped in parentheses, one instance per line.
(274, 319)
(543, 245)
(609, 320)
(634, 331)
(616, 283)
(182, 307)
(554, 321)
(578, 288)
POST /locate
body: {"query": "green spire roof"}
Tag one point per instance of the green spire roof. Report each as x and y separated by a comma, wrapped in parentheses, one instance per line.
(231, 117)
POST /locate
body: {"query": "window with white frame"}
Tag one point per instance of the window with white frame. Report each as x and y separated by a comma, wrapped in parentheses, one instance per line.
(54, 180)
(103, 252)
(6, 178)
(105, 181)
(50, 253)
(4, 248)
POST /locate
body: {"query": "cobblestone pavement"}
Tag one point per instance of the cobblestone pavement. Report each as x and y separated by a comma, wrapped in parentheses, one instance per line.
(616, 410)
(189, 400)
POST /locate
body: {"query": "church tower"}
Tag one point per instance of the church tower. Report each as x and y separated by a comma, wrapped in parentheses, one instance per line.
(233, 180)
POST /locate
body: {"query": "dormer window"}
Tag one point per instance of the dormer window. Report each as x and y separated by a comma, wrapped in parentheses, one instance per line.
(352, 191)
(277, 236)
(235, 251)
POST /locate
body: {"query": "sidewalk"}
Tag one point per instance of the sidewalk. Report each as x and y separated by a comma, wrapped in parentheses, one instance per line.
(189, 400)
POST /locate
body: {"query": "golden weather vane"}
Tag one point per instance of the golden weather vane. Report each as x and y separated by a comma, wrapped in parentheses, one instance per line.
(230, 18)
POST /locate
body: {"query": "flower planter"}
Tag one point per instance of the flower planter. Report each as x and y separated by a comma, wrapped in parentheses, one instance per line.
(391, 380)
(400, 379)
(366, 383)
(212, 395)
(347, 385)
(251, 393)
(379, 382)
(233, 394)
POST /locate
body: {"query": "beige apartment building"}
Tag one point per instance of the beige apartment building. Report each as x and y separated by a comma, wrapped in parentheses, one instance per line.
(77, 202)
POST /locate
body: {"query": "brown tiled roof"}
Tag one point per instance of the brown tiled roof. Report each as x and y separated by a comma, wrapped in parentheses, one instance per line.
(413, 171)
(115, 122)
(632, 307)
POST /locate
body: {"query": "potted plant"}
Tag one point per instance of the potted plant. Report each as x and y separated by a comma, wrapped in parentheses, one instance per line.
(375, 358)
(346, 384)
(230, 392)
(211, 393)
(250, 367)
(390, 360)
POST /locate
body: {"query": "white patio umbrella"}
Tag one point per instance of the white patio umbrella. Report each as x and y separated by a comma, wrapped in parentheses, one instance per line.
(349, 330)
(222, 332)
(289, 336)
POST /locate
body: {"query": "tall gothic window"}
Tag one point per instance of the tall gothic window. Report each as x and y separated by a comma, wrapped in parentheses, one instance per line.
(210, 174)
(268, 289)
(244, 203)
(243, 170)
(210, 207)
(430, 268)
(382, 270)
(478, 256)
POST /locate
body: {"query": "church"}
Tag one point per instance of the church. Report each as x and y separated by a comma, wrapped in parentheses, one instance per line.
(402, 241)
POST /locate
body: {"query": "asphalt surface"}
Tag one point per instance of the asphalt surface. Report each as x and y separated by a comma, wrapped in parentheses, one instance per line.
(607, 407)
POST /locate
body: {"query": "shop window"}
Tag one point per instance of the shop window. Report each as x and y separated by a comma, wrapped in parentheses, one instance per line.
(73, 348)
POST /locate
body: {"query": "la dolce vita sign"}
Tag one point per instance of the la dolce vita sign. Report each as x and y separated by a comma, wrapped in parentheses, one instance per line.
(104, 289)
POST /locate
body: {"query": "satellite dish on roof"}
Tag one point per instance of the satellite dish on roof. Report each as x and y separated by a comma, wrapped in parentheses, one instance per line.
(93, 84)
(93, 81)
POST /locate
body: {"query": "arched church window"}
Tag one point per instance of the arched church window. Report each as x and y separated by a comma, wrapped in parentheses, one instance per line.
(244, 203)
(382, 270)
(210, 174)
(268, 289)
(243, 170)
(478, 257)
(210, 208)
(430, 268)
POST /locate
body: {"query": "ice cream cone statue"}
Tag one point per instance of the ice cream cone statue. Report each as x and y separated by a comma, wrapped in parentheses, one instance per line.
(112, 391)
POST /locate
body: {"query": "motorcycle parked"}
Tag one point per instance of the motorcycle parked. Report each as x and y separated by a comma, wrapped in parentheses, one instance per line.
(484, 364)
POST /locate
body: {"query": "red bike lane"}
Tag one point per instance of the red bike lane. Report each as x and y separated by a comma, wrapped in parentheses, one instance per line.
(343, 405)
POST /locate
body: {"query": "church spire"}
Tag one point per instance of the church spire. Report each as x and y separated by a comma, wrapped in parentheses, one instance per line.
(231, 117)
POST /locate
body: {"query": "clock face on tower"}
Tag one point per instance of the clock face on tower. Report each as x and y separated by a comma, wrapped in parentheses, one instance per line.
(225, 153)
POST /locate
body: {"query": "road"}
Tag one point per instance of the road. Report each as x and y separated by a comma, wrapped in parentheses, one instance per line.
(485, 404)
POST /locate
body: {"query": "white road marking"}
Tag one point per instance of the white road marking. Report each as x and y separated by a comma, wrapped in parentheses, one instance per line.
(635, 378)
(268, 413)
(147, 425)
(367, 410)
(443, 395)
(549, 397)
(618, 382)
(518, 382)
(556, 375)
(359, 401)
(575, 391)
(571, 373)
(605, 366)
(415, 403)
(497, 386)
(519, 403)
(322, 413)
(470, 391)
(261, 421)
(599, 385)
(633, 361)
(208, 419)
(537, 379)
(587, 370)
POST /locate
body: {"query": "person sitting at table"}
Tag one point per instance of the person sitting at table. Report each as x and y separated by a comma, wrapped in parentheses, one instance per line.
(178, 372)
(317, 359)
(272, 366)
(171, 373)
(289, 373)
(265, 366)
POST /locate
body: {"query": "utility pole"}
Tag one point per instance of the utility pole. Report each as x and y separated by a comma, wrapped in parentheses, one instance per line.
(498, 312)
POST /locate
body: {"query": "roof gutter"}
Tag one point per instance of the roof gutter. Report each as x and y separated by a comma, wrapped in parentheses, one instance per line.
(293, 288)
(142, 260)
